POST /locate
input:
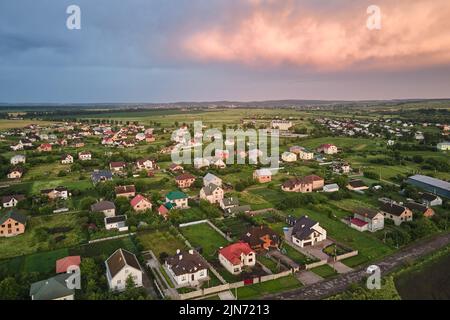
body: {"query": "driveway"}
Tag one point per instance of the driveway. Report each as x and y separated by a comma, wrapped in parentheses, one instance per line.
(308, 277)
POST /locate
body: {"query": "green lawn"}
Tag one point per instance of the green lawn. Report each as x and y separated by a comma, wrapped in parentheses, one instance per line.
(202, 235)
(161, 241)
(258, 290)
(104, 248)
(324, 271)
(296, 256)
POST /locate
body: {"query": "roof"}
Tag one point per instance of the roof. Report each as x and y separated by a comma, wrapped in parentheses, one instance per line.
(358, 222)
(97, 175)
(175, 195)
(118, 164)
(303, 227)
(357, 183)
(125, 189)
(414, 206)
(52, 288)
(18, 197)
(209, 189)
(185, 176)
(13, 214)
(120, 259)
(186, 262)
(115, 219)
(230, 201)
(429, 197)
(431, 181)
(366, 212)
(392, 208)
(210, 177)
(174, 166)
(254, 234)
(234, 251)
(137, 200)
(263, 172)
(102, 206)
(63, 264)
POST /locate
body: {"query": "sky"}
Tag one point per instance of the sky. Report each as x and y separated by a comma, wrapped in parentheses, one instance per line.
(210, 50)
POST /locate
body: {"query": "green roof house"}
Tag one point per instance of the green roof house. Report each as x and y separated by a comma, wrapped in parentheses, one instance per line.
(55, 288)
(178, 199)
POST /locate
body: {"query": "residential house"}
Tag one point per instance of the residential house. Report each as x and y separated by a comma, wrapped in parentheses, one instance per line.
(201, 163)
(305, 154)
(262, 175)
(12, 200)
(212, 193)
(261, 238)
(67, 264)
(116, 223)
(178, 199)
(101, 176)
(175, 168)
(443, 146)
(145, 164)
(118, 166)
(66, 159)
(357, 185)
(227, 203)
(56, 193)
(431, 200)
(288, 157)
(84, 156)
(307, 232)
(121, 266)
(367, 219)
(140, 203)
(420, 209)
(187, 268)
(304, 185)
(19, 158)
(185, 180)
(125, 191)
(341, 168)
(283, 125)
(108, 208)
(396, 212)
(45, 147)
(237, 256)
(209, 178)
(54, 288)
(149, 137)
(327, 149)
(15, 173)
(12, 223)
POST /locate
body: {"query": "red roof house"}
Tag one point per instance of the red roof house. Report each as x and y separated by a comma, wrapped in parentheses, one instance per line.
(63, 264)
(236, 256)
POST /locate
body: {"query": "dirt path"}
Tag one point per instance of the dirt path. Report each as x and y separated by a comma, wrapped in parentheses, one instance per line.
(338, 284)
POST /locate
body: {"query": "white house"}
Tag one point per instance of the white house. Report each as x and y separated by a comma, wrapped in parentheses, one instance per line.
(367, 219)
(120, 266)
(145, 164)
(178, 199)
(187, 268)
(211, 179)
(307, 232)
(305, 154)
(212, 193)
(330, 188)
(201, 163)
(18, 159)
(116, 223)
(328, 149)
(281, 124)
(237, 256)
(288, 157)
(11, 201)
(443, 146)
(83, 156)
(67, 159)
(431, 200)
(108, 208)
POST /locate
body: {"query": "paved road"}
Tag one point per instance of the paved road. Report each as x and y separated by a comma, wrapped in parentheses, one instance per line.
(338, 284)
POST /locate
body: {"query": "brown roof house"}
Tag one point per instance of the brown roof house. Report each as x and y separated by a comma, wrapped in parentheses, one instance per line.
(12, 224)
(367, 219)
(125, 191)
(12, 200)
(118, 166)
(108, 208)
(262, 175)
(395, 212)
(187, 268)
(261, 238)
(420, 209)
(357, 185)
(15, 173)
(121, 266)
(140, 203)
(303, 185)
(185, 180)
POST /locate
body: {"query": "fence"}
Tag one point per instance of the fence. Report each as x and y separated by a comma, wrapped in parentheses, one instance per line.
(347, 255)
(234, 285)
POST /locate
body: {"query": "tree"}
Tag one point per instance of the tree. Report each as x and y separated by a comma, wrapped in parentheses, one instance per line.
(9, 289)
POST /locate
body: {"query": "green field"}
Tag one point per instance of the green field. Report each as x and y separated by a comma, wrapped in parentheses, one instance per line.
(324, 271)
(258, 290)
(161, 241)
(202, 235)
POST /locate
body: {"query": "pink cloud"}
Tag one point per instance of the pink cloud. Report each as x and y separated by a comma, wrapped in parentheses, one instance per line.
(414, 33)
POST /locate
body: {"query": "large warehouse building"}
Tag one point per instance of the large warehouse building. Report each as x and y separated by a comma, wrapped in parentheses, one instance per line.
(433, 185)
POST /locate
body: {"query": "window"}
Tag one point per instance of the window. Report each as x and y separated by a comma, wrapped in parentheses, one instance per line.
(250, 260)
(119, 281)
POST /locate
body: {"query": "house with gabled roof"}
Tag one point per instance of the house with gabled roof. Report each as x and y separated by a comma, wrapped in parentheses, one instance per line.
(261, 238)
(357, 185)
(108, 208)
(12, 223)
(367, 219)
(212, 193)
(12, 200)
(117, 166)
(185, 180)
(187, 268)
(140, 203)
(396, 212)
(431, 200)
(146, 164)
(67, 159)
(101, 176)
(209, 178)
(120, 266)
(128, 191)
(178, 199)
(18, 158)
(237, 256)
(262, 175)
(420, 209)
(54, 288)
(15, 173)
(67, 264)
(116, 223)
(307, 232)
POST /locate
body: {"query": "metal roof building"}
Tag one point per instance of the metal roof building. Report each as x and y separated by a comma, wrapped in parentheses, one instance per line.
(433, 185)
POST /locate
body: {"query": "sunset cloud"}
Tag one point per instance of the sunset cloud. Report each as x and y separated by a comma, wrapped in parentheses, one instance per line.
(273, 33)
